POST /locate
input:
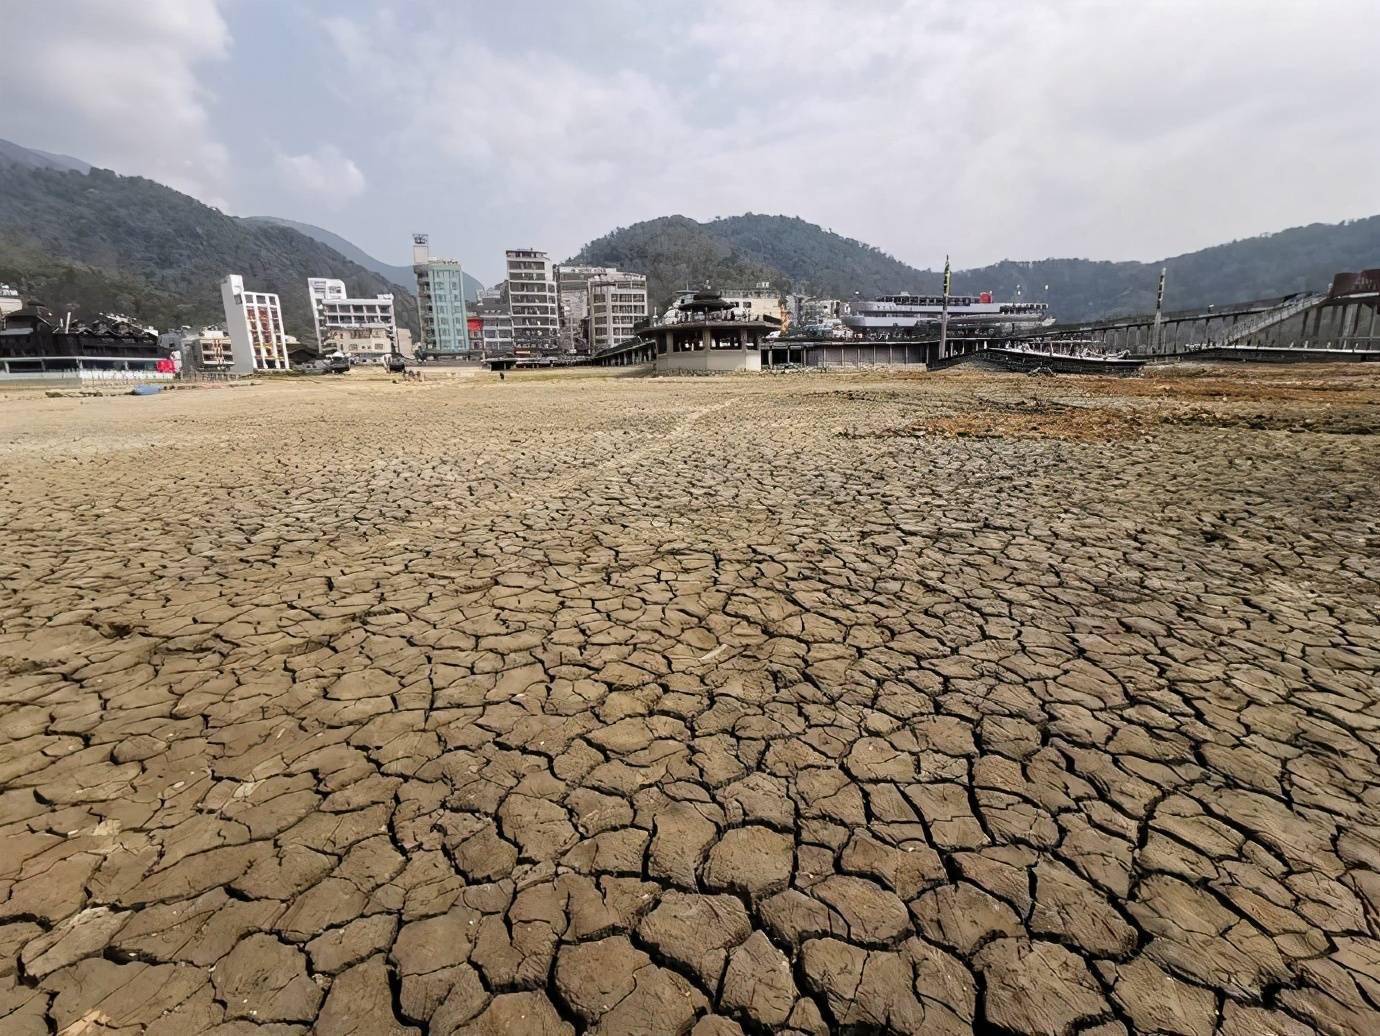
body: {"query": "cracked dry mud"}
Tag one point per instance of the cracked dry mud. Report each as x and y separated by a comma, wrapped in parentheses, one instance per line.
(600, 705)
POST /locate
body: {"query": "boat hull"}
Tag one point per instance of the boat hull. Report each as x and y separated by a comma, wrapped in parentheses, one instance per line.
(1023, 362)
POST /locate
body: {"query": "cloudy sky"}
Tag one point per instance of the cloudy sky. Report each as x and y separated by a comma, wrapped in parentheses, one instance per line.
(987, 128)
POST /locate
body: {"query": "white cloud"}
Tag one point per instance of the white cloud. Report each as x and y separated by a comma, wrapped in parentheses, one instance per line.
(119, 85)
(327, 175)
(1086, 128)
(988, 129)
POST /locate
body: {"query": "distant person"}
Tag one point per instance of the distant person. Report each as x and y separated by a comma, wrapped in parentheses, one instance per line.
(500, 375)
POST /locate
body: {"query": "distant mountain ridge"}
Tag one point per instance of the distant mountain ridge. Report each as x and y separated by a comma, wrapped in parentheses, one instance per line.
(90, 240)
(17, 154)
(96, 241)
(677, 252)
(401, 275)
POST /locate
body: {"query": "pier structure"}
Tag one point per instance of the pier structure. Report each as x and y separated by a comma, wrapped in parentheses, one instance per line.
(1343, 318)
(1340, 323)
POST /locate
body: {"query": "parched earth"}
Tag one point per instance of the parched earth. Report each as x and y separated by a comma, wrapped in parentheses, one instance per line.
(595, 705)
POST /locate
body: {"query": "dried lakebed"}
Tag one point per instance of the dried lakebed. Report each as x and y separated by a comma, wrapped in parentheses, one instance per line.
(598, 705)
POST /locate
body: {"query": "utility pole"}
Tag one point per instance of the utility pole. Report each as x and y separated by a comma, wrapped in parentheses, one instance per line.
(944, 312)
(1159, 307)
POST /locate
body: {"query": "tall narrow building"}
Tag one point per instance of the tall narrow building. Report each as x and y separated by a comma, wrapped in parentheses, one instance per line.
(254, 320)
(441, 304)
(532, 302)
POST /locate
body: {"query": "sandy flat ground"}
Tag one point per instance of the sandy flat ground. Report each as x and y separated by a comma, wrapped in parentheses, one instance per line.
(800, 703)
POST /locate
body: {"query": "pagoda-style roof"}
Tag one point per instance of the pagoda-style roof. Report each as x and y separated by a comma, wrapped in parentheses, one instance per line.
(714, 320)
(706, 302)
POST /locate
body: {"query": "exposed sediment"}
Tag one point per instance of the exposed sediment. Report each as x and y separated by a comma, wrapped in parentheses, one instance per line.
(797, 704)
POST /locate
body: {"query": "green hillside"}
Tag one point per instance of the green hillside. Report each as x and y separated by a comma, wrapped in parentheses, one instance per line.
(99, 241)
(675, 251)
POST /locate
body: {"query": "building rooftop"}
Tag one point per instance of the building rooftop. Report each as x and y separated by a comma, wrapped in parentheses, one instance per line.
(372, 300)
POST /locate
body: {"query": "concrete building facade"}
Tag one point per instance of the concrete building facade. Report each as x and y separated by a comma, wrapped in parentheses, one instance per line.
(207, 351)
(817, 310)
(574, 320)
(358, 344)
(364, 329)
(572, 285)
(498, 334)
(532, 302)
(617, 304)
(493, 326)
(254, 320)
(441, 304)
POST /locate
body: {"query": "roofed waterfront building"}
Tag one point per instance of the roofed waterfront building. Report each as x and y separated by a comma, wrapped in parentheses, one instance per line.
(702, 335)
(37, 344)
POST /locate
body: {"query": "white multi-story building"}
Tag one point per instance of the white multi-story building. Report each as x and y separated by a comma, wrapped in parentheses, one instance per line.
(254, 320)
(491, 325)
(498, 334)
(209, 350)
(757, 302)
(532, 302)
(363, 329)
(441, 302)
(572, 287)
(617, 304)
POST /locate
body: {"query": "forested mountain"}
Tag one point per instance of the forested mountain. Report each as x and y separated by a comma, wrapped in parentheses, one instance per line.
(675, 251)
(16, 154)
(90, 240)
(816, 259)
(98, 241)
